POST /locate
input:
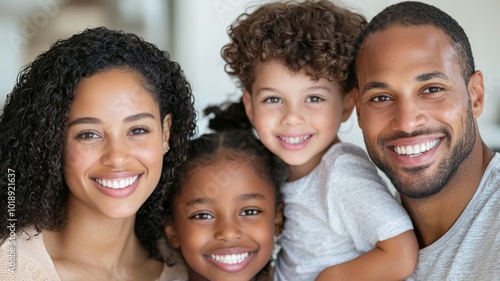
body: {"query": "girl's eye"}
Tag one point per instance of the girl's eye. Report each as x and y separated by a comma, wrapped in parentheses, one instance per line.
(88, 135)
(314, 99)
(272, 100)
(431, 90)
(250, 212)
(381, 98)
(202, 216)
(139, 131)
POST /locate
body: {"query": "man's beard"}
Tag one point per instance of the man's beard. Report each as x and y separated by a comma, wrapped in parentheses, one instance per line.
(419, 185)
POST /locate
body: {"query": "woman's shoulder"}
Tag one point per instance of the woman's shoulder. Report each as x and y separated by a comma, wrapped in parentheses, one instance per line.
(26, 258)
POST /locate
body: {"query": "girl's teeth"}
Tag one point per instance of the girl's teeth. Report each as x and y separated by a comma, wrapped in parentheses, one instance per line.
(416, 149)
(117, 184)
(230, 259)
(295, 140)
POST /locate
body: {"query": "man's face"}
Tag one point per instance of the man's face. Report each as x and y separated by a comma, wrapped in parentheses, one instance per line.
(414, 108)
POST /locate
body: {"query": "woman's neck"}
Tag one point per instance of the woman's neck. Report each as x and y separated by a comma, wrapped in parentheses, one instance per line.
(94, 243)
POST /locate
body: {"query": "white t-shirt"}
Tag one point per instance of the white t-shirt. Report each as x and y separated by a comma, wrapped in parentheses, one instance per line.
(336, 213)
(470, 250)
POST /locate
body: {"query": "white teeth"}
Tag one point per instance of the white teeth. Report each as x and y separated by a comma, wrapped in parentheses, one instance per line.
(294, 140)
(416, 149)
(230, 259)
(117, 184)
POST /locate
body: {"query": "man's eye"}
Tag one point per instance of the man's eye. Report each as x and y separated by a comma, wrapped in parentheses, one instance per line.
(202, 216)
(431, 90)
(381, 98)
(250, 212)
(272, 100)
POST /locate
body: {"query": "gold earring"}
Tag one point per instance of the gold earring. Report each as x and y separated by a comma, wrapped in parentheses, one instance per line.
(166, 150)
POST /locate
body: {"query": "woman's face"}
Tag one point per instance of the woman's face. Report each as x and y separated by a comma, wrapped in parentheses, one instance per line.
(114, 143)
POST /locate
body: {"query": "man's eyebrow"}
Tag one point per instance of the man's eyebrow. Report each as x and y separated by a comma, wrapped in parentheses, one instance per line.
(374, 85)
(84, 120)
(250, 196)
(431, 75)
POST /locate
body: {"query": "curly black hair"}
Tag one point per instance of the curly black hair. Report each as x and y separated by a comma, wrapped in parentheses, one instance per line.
(36, 113)
(314, 36)
(412, 13)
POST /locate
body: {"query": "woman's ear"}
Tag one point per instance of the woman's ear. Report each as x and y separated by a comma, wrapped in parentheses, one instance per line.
(278, 220)
(171, 234)
(166, 125)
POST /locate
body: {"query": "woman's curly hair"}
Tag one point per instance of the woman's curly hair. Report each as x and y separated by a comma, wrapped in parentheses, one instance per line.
(36, 113)
(314, 36)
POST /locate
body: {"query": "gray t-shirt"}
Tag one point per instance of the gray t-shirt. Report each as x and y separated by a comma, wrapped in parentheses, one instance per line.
(336, 213)
(470, 250)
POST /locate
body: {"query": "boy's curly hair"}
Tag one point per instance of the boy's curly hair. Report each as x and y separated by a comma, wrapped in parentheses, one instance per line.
(314, 36)
(36, 113)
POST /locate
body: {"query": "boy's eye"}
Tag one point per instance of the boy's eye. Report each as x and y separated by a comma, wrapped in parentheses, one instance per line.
(272, 100)
(88, 135)
(314, 99)
(139, 131)
(202, 216)
(250, 212)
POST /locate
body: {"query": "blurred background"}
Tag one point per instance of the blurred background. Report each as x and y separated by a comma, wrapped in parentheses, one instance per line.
(194, 31)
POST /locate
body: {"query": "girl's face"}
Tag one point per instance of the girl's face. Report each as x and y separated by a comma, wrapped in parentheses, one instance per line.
(224, 221)
(114, 143)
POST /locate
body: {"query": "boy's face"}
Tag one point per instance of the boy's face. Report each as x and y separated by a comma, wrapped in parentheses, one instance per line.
(224, 222)
(296, 118)
(414, 107)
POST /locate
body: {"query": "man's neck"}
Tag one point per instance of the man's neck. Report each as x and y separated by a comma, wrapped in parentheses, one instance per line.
(434, 216)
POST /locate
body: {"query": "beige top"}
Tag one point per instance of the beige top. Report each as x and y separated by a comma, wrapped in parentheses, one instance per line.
(25, 258)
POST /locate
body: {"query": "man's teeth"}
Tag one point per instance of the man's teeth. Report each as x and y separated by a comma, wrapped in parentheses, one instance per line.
(230, 259)
(294, 140)
(117, 183)
(416, 150)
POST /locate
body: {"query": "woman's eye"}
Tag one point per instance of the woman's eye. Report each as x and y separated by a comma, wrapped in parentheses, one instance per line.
(88, 135)
(431, 90)
(314, 99)
(272, 100)
(250, 212)
(202, 216)
(139, 131)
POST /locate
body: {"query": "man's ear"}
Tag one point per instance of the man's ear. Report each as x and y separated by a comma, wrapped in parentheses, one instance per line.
(172, 234)
(348, 105)
(279, 218)
(355, 97)
(476, 93)
(247, 102)
(167, 124)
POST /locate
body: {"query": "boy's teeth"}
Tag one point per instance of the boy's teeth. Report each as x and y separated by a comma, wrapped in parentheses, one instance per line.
(416, 150)
(117, 183)
(295, 140)
(230, 259)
